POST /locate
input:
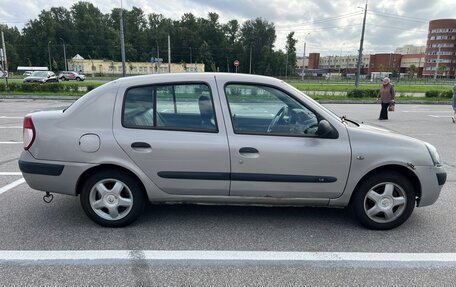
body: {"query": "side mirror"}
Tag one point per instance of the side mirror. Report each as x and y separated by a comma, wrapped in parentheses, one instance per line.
(326, 130)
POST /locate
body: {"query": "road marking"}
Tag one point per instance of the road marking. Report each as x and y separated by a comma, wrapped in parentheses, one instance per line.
(11, 186)
(424, 111)
(434, 116)
(102, 256)
(11, 142)
(10, 173)
(5, 117)
(11, 127)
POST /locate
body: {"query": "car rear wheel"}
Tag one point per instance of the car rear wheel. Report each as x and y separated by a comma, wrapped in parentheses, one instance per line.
(112, 198)
(384, 201)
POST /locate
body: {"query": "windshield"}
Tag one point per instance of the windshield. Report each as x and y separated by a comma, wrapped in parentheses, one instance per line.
(39, 74)
(331, 113)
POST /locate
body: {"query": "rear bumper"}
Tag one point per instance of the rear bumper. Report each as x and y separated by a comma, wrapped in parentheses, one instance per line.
(51, 176)
(41, 168)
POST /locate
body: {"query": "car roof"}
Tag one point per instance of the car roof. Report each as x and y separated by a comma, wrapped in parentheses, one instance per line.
(190, 77)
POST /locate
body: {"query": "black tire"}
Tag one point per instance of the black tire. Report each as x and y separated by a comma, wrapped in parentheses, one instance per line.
(109, 190)
(383, 201)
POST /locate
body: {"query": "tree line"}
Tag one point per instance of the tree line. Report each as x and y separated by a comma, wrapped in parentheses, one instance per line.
(85, 30)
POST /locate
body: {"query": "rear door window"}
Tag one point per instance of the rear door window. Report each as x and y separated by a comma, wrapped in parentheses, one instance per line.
(175, 107)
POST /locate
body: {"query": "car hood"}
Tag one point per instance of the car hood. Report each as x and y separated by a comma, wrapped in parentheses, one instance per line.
(366, 139)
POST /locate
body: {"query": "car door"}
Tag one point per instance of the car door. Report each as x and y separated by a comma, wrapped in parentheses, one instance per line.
(173, 133)
(275, 148)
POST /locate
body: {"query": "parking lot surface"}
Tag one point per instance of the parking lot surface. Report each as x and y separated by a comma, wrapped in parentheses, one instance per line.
(29, 224)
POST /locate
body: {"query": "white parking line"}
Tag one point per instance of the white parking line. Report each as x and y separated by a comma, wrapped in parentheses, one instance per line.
(11, 186)
(10, 173)
(5, 117)
(11, 142)
(11, 127)
(69, 256)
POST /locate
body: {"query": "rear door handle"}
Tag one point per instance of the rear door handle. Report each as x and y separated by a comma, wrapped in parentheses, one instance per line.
(140, 145)
(245, 150)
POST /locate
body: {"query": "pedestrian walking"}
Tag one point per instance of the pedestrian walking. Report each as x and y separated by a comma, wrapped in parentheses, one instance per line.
(453, 118)
(386, 97)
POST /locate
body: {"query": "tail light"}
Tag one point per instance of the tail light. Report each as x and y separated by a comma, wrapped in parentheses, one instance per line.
(28, 132)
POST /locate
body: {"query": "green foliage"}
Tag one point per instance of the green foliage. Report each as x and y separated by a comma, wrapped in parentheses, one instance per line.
(51, 88)
(446, 94)
(441, 94)
(85, 30)
(432, 94)
(357, 93)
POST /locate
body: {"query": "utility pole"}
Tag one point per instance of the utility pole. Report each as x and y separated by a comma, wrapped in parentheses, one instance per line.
(49, 54)
(169, 54)
(360, 55)
(250, 65)
(64, 55)
(122, 40)
(304, 57)
(5, 61)
(286, 68)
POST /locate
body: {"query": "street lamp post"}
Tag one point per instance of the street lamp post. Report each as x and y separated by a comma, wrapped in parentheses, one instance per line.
(64, 55)
(304, 57)
(49, 54)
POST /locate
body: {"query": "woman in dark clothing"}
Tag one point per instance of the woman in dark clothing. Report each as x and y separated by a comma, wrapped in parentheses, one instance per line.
(386, 97)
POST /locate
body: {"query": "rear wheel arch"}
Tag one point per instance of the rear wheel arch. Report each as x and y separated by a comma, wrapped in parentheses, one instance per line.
(88, 173)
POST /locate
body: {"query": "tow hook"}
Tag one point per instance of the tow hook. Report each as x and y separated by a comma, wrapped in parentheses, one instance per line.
(48, 197)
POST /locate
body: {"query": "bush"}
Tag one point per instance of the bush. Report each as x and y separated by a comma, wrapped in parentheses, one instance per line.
(356, 93)
(432, 94)
(446, 94)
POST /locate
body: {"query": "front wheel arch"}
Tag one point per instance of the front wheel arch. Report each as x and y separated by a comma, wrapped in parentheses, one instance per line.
(395, 168)
(383, 200)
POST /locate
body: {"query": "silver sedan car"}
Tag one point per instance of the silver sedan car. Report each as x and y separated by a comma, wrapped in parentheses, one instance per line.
(217, 138)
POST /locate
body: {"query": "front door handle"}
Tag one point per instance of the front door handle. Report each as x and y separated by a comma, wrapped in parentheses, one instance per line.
(245, 150)
(140, 145)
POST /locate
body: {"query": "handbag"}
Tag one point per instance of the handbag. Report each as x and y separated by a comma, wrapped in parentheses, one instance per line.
(391, 107)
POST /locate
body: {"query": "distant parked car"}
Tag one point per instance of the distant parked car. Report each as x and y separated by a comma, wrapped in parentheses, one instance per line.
(41, 77)
(27, 73)
(67, 75)
(223, 139)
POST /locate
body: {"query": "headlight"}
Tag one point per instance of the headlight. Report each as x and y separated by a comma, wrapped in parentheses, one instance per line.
(434, 154)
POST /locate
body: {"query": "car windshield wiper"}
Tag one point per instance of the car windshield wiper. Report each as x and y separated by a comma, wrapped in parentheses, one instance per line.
(345, 119)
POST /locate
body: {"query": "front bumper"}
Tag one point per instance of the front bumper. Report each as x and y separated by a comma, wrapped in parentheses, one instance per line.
(432, 179)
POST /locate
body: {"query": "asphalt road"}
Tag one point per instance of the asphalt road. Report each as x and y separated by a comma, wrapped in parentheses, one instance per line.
(29, 224)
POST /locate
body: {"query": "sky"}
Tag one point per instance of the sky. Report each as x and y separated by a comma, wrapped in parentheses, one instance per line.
(329, 27)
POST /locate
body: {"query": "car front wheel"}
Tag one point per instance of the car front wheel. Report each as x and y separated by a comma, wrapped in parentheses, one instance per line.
(112, 198)
(384, 201)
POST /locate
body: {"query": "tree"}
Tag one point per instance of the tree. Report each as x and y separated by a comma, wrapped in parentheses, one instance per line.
(441, 69)
(291, 54)
(257, 35)
(411, 71)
